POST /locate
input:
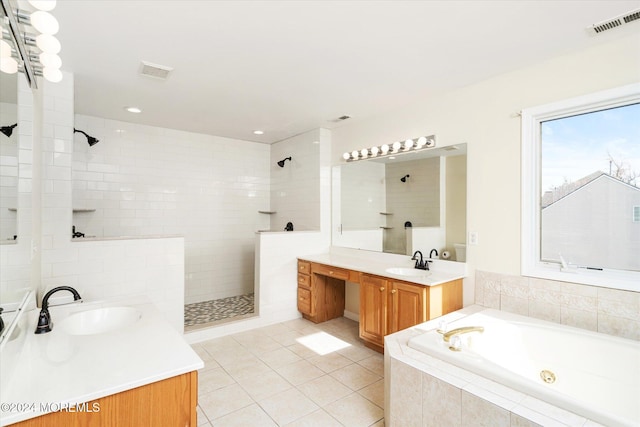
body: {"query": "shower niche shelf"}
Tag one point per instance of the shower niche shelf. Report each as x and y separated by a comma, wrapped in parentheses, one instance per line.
(386, 213)
(81, 210)
(267, 212)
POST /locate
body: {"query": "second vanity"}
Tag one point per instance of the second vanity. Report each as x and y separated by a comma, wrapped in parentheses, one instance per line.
(393, 295)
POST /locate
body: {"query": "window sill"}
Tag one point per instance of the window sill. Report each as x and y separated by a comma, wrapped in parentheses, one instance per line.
(612, 279)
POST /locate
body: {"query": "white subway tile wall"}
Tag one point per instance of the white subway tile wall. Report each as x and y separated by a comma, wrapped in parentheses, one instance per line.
(609, 311)
(145, 181)
(295, 187)
(8, 173)
(15, 259)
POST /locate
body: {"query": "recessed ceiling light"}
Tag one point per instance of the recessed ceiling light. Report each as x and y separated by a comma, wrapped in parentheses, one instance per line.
(133, 109)
(258, 132)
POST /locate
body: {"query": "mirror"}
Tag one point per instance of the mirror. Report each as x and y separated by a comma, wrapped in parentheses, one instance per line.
(402, 203)
(8, 158)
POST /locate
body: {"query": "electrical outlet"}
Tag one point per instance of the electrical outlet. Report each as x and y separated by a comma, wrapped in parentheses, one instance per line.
(473, 238)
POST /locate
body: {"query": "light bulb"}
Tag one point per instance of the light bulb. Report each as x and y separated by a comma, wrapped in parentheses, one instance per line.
(8, 65)
(422, 141)
(5, 49)
(384, 148)
(50, 60)
(134, 110)
(44, 22)
(48, 43)
(45, 5)
(396, 146)
(408, 144)
(364, 152)
(52, 74)
(374, 151)
(346, 156)
(354, 154)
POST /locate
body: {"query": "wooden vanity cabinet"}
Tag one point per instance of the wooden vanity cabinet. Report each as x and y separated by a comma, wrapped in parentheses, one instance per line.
(320, 291)
(373, 309)
(169, 402)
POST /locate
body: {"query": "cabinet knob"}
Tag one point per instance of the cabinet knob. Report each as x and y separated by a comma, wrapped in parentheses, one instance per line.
(330, 272)
(381, 288)
(393, 291)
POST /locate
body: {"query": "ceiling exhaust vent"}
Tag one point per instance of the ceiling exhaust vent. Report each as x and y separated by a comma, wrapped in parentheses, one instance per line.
(155, 71)
(618, 21)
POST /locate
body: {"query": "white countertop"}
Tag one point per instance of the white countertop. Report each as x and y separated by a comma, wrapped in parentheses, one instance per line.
(441, 271)
(58, 368)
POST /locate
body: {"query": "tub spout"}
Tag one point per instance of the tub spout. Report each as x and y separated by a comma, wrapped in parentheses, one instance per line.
(459, 331)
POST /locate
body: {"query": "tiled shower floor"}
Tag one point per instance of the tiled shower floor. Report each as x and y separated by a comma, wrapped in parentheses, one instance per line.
(206, 312)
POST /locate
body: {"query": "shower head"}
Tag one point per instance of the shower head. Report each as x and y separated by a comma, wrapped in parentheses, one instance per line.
(8, 130)
(91, 140)
(404, 178)
(281, 162)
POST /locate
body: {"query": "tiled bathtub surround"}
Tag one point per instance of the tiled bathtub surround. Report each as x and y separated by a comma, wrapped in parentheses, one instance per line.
(609, 311)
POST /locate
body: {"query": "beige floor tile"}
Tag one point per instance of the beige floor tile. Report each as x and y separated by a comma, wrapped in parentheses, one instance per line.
(256, 342)
(250, 416)
(264, 385)
(302, 350)
(288, 406)
(287, 338)
(224, 401)
(213, 379)
(330, 362)
(316, 419)
(324, 390)
(355, 411)
(273, 330)
(297, 324)
(220, 345)
(202, 418)
(357, 352)
(374, 363)
(299, 372)
(374, 392)
(247, 367)
(233, 355)
(355, 376)
(279, 357)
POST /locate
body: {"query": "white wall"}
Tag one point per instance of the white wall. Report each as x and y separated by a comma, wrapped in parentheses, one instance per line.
(485, 116)
(8, 173)
(146, 181)
(295, 188)
(456, 201)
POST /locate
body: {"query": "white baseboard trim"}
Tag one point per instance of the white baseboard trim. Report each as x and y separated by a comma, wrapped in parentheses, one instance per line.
(352, 316)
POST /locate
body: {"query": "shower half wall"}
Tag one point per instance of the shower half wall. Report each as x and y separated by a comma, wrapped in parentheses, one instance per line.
(143, 181)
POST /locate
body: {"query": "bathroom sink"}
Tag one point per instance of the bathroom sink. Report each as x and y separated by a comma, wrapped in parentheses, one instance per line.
(99, 321)
(403, 271)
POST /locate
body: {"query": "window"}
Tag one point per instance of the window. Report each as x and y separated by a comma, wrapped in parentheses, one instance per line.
(581, 189)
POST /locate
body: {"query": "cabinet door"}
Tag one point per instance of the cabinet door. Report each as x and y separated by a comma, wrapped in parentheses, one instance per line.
(408, 306)
(373, 309)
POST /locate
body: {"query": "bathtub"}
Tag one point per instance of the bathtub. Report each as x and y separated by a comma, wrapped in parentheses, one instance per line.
(591, 374)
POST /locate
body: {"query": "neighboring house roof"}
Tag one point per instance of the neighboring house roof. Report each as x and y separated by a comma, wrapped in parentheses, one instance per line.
(559, 193)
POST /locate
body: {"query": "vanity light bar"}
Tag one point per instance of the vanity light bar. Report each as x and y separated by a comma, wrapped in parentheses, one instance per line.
(397, 147)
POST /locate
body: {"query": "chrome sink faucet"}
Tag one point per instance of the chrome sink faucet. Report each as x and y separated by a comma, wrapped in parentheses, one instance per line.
(44, 320)
(421, 264)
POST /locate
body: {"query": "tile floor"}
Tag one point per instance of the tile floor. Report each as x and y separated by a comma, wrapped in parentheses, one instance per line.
(295, 373)
(207, 312)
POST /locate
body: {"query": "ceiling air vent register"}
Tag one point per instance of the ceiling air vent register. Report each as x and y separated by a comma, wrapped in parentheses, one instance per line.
(615, 22)
(155, 71)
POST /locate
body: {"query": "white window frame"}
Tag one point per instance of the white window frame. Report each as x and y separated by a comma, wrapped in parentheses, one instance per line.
(531, 265)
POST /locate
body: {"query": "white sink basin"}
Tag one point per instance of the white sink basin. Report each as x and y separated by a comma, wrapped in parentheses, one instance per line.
(403, 271)
(99, 321)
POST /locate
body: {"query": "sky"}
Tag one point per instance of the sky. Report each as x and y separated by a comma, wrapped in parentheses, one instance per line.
(576, 146)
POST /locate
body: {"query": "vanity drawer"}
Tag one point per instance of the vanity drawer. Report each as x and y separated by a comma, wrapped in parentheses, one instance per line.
(304, 267)
(326, 270)
(304, 280)
(304, 301)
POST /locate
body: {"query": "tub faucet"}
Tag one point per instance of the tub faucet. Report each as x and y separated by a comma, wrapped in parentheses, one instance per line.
(421, 264)
(44, 320)
(431, 253)
(446, 336)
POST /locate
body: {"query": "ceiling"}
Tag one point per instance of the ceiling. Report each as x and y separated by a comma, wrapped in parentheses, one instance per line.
(286, 67)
